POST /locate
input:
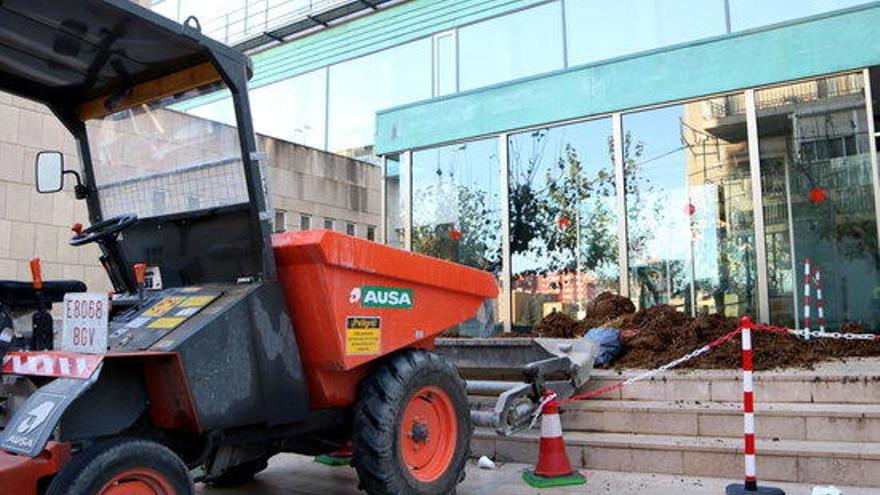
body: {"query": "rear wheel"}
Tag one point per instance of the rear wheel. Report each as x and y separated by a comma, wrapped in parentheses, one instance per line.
(126, 466)
(412, 427)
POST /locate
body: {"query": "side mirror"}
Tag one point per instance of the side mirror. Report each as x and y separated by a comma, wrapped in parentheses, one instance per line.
(50, 171)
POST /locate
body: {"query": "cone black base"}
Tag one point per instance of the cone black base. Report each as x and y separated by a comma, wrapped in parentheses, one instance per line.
(741, 489)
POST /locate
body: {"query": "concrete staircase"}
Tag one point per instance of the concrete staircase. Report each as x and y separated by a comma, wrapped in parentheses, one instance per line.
(818, 426)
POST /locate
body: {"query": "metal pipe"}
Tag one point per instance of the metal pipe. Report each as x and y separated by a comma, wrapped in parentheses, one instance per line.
(488, 387)
(484, 419)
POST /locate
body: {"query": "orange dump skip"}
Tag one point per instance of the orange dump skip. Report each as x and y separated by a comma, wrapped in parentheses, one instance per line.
(354, 301)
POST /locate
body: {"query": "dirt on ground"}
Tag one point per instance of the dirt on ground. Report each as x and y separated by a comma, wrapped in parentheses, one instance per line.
(660, 334)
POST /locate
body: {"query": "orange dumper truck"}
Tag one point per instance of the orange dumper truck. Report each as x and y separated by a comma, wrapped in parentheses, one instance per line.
(221, 344)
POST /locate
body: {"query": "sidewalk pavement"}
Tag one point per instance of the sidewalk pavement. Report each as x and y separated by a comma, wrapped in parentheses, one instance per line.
(296, 475)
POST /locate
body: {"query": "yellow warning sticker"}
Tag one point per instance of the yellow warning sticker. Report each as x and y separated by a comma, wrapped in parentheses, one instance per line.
(166, 323)
(197, 301)
(163, 306)
(363, 335)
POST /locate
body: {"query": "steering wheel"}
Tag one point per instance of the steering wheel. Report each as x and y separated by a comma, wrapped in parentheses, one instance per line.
(104, 229)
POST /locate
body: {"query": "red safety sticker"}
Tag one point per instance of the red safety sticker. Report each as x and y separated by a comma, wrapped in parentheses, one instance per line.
(54, 364)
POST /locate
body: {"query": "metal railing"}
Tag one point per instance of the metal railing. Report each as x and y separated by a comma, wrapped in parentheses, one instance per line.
(803, 92)
(257, 17)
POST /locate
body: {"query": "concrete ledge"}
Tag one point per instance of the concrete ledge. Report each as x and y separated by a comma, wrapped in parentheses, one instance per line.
(852, 382)
(786, 421)
(786, 460)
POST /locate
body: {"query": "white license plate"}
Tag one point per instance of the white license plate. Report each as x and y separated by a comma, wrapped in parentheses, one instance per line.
(85, 323)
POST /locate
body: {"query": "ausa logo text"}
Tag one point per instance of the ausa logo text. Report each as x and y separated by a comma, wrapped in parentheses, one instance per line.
(371, 296)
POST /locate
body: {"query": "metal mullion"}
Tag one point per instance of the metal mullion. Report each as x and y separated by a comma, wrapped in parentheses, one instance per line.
(326, 146)
(728, 24)
(757, 207)
(564, 35)
(620, 187)
(872, 147)
(406, 166)
(457, 61)
(383, 191)
(506, 268)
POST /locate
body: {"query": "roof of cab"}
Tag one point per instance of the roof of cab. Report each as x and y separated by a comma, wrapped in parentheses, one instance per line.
(71, 53)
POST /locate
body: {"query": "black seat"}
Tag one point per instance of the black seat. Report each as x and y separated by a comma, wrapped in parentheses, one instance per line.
(19, 295)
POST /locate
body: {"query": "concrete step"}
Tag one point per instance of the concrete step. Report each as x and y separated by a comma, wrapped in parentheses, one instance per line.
(784, 421)
(842, 463)
(852, 382)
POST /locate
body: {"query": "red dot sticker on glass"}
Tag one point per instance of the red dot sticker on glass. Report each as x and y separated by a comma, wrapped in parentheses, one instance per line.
(818, 195)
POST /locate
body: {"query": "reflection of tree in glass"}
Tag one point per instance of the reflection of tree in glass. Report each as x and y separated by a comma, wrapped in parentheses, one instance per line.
(472, 239)
(568, 220)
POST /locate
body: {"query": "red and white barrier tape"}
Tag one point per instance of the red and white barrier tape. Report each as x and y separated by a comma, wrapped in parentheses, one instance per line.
(816, 334)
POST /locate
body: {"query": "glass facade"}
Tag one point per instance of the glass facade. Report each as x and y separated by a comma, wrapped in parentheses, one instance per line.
(511, 46)
(689, 208)
(293, 109)
(359, 88)
(598, 30)
(445, 63)
(748, 14)
(563, 219)
(697, 235)
(456, 213)
(334, 107)
(394, 206)
(819, 199)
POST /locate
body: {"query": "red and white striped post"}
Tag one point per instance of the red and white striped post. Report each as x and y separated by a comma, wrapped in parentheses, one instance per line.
(751, 480)
(808, 301)
(820, 301)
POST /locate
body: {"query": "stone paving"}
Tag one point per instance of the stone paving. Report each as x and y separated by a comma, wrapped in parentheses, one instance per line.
(297, 475)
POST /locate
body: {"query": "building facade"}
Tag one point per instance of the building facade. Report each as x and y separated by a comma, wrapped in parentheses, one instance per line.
(687, 152)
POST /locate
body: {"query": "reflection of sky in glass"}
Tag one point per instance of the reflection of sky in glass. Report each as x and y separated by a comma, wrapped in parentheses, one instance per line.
(747, 14)
(602, 29)
(662, 166)
(437, 173)
(546, 147)
(510, 47)
(361, 87)
(292, 109)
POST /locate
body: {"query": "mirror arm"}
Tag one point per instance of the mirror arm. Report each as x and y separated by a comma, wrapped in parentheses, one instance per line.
(79, 190)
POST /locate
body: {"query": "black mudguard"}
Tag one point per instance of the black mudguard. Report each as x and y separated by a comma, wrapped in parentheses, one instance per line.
(33, 424)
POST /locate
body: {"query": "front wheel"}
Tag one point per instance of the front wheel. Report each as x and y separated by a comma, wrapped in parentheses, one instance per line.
(125, 466)
(412, 427)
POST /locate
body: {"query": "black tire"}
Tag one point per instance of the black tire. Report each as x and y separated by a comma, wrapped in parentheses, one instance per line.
(384, 395)
(239, 475)
(91, 469)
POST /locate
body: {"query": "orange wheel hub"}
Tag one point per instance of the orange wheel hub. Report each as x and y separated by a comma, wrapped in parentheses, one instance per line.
(138, 482)
(428, 434)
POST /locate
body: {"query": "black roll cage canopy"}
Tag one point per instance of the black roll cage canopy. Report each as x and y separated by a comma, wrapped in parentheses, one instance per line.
(87, 59)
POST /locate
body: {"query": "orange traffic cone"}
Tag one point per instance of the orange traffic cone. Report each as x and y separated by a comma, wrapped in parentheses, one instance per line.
(554, 467)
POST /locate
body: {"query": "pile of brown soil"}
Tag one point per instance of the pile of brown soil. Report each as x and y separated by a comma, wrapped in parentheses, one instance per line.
(558, 325)
(606, 307)
(661, 334)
